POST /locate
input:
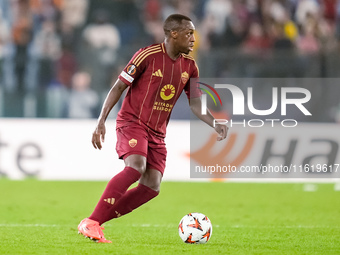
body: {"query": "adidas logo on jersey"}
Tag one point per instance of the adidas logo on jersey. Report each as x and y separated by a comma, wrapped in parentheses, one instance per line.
(158, 73)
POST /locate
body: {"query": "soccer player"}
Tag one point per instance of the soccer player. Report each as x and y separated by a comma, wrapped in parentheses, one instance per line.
(155, 78)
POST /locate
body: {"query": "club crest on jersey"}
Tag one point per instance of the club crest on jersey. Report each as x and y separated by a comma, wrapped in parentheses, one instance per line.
(131, 69)
(133, 142)
(167, 92)
(185, 77)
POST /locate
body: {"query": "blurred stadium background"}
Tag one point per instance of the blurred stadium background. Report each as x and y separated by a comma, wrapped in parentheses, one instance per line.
(59, 58)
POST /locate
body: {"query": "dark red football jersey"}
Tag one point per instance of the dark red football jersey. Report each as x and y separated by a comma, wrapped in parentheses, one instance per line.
(155, 83)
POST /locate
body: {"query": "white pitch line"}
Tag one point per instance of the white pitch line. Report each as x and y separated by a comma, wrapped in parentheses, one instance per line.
(170, 226)
(30, 225)
(293, 227)
(234, 226)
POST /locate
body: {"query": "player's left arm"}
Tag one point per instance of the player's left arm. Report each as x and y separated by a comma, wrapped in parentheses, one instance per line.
(195, 106)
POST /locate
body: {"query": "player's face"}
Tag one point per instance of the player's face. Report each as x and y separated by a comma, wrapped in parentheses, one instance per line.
(186, 38)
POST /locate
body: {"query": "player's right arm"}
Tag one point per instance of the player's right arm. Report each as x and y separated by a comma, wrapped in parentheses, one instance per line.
(131, 72)
(112, 98)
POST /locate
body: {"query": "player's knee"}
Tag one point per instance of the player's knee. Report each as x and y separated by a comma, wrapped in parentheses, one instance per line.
(152, 178)
(140, 166)
(136, 162)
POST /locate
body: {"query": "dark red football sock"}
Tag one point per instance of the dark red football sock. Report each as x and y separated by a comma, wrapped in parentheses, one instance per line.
(116, 187)
(131, 200)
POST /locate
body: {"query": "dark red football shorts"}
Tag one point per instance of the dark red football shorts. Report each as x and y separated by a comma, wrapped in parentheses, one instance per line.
(135, 139)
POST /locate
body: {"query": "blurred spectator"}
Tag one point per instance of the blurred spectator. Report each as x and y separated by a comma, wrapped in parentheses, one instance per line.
(45, 10)
(280, 39)
(152, 10)
(277, 12)
(101, 33)
(4, 38)
(69, 37)
(22, 36)
(235, 34)
(168, 8)
(47, 41)
(73, 18)
(7, 77)
(329, 10)
(326, 34)
(217, 12)
(305, 9)
(290, 29)
(66, 66)
(154, 28)
(257, 41)
(225, 24)
(74, 12)
(283, 62)
(153, 24)
(47, 49)
(83, 101)
(102, 41)
(307, 43)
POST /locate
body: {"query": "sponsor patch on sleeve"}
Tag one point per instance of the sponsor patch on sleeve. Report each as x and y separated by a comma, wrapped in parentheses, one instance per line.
(127, 77)
(131, 69)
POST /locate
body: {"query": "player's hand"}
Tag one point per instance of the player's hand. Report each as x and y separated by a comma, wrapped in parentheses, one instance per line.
(98, 136)
(222, 131)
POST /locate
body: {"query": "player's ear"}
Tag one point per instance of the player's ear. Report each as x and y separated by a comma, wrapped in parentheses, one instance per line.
(174, 34)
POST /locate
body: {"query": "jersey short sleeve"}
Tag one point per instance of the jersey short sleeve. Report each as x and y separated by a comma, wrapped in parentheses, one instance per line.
(132, 70)
(192, 87)
(138, 64)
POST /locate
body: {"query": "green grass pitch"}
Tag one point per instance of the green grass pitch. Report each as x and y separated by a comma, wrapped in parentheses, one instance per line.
(41, 217)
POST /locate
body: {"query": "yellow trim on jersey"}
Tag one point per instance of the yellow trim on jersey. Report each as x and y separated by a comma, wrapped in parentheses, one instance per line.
(145, 51)
(150, 53)
(142, 55)
(191, 58)
(198, 70)
(187, 56)
(162, 44)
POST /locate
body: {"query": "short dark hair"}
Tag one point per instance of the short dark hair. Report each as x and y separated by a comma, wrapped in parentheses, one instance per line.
(173, 22)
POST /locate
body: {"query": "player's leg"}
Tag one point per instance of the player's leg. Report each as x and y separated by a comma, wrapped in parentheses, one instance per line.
(147, 189)
(134, 154)
(137, 162)
(152, 179)
(149, 183)
(116, 187)
(135, 166)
